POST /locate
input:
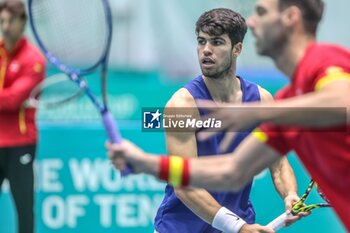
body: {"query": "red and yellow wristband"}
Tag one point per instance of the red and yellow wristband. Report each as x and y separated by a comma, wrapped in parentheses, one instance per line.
(174, 170)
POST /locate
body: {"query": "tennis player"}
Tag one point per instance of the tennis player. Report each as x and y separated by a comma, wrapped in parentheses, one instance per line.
(220, 34)
(21, 68)
(310, 115)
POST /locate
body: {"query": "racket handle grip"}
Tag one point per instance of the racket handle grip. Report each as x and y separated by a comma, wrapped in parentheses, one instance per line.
(278, 222)
(111, 127)
(114, 136)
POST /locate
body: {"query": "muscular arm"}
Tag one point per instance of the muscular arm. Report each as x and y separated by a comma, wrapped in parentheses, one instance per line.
(328, 106)
(250, 158)
(199, 201)
(281, 172)
(283, 178)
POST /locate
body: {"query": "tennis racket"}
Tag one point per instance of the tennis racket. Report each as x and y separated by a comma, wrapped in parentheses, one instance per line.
(278, 222)
(75, 36)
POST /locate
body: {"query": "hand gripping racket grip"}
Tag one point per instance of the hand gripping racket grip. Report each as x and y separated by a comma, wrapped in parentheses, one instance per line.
(114, 136)
(278, 222)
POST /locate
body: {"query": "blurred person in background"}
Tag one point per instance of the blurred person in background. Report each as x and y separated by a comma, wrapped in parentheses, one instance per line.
(22, 67)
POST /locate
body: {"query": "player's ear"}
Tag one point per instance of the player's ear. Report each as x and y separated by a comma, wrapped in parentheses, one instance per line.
(237, 49)
(291, 16)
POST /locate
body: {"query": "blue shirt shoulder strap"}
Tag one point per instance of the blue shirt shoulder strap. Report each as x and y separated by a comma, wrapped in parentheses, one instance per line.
(199, 90)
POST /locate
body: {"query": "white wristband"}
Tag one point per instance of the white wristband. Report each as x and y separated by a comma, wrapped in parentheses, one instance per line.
(228, 222)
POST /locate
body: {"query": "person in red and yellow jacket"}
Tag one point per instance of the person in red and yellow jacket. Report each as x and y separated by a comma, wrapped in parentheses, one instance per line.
(22, 67)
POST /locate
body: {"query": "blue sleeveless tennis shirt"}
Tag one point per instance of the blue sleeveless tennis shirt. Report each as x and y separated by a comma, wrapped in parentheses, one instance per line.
(173, 216)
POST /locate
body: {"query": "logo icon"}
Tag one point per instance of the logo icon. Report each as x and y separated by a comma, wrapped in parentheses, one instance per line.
(25, 159)
(233, 215)
(14, 67)
(152, 119)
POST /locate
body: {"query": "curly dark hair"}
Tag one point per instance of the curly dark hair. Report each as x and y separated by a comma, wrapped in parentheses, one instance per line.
(220, 21)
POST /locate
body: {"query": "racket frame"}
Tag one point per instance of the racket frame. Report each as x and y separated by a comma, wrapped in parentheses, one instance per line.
(298, 207)
(73, 74)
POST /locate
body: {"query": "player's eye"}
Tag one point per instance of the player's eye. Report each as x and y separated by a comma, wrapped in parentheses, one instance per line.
(201, 41)
(217, 42)
(260, 11)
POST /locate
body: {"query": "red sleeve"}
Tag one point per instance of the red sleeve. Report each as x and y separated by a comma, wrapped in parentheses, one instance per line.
(277, 137)
(333, 65)
(13, 96)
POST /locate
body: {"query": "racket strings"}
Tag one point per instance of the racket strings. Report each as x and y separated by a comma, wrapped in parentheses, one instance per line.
(321, 193)
(312, 206)
(300, 206)
(72, 30)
